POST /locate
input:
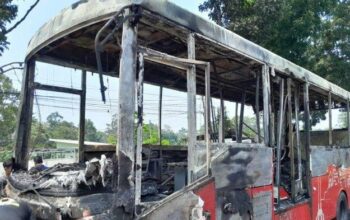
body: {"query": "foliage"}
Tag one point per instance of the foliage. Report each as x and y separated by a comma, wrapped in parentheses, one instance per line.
(40, 138)
(150, 133)
(112, 130)
(8, 111)
(57, 128)
(230, 125)
(8, 12)
(92, 134)
(331, 54)
(5, 155)
(313, 34)
(169, 137)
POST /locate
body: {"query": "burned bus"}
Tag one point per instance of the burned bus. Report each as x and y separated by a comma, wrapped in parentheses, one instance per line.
(287, 172)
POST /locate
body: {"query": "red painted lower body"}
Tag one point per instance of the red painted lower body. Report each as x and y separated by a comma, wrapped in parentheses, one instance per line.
(322, 205)
(207, 193)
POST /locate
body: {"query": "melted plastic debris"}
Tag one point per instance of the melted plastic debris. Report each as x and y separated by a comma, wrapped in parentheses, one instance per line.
(95, 173)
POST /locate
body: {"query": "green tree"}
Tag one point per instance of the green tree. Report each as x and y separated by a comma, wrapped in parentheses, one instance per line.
(287, 28)
(60, 129)
(8, 115)
(182, 136)
(54, 119)
(314, 34)
(169, 137)
(39, 135)
(150, 133)
(330, 55)
(112, 130)
(92, 134)
(8, 111)
(8, 12)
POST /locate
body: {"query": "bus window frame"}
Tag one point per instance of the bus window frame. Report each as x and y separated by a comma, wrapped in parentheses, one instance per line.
(147, 54)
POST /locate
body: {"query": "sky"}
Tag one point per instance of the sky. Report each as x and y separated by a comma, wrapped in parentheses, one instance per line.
(174, 110)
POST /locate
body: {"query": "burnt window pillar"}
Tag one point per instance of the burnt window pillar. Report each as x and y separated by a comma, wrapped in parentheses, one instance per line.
(82, 116)
(21, 149)
(266, 104)
(348, 118)
(191, 107)
(125, 147)
(330, 130)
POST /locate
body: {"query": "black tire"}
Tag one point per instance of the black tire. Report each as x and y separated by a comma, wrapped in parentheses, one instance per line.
(342, 207)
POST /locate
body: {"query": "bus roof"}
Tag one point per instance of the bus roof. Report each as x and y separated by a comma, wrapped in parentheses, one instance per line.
(74, 20)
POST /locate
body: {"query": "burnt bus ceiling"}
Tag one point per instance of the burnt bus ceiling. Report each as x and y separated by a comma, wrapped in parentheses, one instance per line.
(231, 72)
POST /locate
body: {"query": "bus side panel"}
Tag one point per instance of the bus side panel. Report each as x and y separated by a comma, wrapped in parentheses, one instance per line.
(241, 172)
(208, 195)
(326, 190)
(262, 202)
(331, 172)
(300, 211)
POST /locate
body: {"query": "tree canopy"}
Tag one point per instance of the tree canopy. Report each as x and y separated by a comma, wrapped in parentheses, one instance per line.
(313, 34)
(8, 111)
(56, 127)
(8, 13)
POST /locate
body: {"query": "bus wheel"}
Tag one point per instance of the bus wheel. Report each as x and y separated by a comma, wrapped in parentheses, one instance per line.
(342, 207)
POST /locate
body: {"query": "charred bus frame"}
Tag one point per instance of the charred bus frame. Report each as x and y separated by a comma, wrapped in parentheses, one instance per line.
(218, 63)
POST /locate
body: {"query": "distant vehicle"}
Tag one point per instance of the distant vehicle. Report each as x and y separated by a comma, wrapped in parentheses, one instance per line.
(288, 172)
